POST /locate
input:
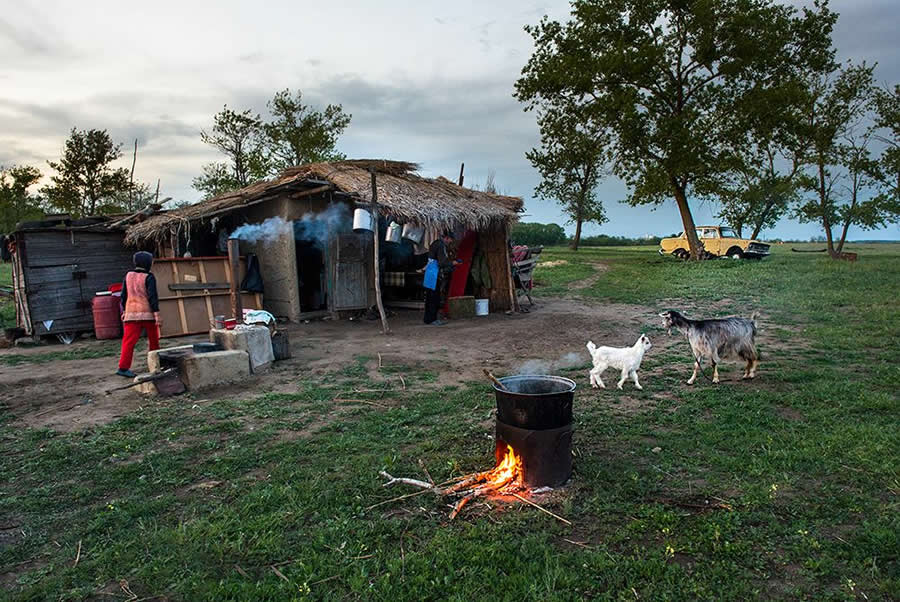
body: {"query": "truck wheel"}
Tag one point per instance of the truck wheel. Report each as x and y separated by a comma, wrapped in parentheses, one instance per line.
(680, 254)
(735, 253)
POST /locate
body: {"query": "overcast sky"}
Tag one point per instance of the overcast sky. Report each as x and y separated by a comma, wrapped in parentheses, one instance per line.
(425, 81)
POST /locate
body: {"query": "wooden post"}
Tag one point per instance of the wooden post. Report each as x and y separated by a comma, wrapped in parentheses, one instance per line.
(384, 323)
(462, 166)
(513, 298)
(234, 260)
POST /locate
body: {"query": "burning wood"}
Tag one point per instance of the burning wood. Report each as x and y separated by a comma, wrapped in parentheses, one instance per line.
(505, 478)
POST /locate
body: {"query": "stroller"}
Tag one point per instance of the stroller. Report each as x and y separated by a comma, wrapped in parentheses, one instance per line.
(524, 259)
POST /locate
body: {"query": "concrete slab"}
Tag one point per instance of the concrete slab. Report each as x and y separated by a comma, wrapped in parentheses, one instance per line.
(256, 341)
(205, 370)
(153, 363)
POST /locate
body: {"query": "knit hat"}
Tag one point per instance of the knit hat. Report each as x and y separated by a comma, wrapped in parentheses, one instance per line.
(143, 259)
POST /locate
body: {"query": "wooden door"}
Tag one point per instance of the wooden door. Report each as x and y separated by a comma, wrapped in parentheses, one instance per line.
(349, 272)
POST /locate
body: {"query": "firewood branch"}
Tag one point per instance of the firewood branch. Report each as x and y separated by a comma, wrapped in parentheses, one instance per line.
(414, 482)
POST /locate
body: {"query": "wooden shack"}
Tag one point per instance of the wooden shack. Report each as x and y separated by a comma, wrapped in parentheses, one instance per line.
(300, 226)
(59, 264)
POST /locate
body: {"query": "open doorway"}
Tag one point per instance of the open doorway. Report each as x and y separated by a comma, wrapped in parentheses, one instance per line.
(311, 275)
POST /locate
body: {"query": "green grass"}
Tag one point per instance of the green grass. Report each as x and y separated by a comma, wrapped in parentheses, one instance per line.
(7, 306)
(173, 497)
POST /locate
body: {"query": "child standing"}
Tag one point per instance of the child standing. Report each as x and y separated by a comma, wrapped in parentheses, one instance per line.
(140, 310)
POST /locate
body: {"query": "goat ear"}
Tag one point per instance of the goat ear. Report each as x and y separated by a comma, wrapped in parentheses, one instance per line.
(664, 314)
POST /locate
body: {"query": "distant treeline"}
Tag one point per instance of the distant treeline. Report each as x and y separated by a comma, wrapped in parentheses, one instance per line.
(533, 234)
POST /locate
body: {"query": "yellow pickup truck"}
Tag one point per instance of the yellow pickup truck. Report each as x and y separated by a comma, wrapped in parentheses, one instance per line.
(719, 241)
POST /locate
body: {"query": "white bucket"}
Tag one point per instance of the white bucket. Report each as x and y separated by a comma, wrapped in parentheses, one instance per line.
(362, 221)
(481, 307)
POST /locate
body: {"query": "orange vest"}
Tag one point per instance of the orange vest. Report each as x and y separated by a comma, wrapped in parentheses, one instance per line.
(137, 304)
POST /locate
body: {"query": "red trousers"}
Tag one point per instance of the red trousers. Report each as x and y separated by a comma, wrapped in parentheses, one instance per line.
(130, 339)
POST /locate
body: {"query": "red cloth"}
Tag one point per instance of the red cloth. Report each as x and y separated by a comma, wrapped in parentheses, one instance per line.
(130, 338)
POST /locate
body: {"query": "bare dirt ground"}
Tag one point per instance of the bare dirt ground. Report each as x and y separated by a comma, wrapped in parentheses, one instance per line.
(70, 395)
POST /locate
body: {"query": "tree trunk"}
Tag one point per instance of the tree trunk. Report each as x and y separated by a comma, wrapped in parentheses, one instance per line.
(687, 220)
(823, 204)
(577, 240)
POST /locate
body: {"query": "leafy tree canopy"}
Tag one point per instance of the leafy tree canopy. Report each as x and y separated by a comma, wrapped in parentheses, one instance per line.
(17, 204)
(85, 183)
(674, 82)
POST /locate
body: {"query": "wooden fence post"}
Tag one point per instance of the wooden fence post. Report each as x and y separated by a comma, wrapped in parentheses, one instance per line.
(234, 260)
(384, 323)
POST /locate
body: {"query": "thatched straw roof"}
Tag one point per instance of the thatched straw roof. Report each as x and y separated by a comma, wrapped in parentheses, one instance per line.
(402, 193)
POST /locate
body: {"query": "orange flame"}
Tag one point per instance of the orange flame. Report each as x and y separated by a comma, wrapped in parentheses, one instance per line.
(509, 469)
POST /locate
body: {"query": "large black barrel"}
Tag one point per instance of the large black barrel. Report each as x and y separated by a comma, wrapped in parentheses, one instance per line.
(536, 402)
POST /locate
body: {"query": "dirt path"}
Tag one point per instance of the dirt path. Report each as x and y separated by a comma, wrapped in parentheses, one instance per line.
(599, 269)
(69, 395)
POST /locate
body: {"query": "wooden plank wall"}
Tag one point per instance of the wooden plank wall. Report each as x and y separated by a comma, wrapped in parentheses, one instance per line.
(493, 244)
(190, 311)
(62, 271)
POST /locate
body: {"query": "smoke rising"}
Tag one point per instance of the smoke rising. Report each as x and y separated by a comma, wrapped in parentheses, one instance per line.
(317, 227)
(569, 360)
(267, 231)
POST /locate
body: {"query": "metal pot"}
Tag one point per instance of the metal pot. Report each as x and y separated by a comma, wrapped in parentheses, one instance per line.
(362, 221)
(394, 232)
(413, 233)
(535, 402)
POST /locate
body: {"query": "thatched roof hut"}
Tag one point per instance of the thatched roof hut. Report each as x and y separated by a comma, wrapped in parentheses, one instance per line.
(402, 193)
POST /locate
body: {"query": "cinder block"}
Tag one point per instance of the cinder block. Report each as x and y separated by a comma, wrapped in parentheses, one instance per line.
(153, 363)
(256, 341)
(204, 370)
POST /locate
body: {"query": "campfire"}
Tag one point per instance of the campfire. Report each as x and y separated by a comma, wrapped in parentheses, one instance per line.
(533, 445)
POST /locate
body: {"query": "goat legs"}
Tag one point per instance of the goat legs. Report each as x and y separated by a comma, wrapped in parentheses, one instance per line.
(694, 375)
(622, 380)
(635, 378)
(596, 381)
(715, 373)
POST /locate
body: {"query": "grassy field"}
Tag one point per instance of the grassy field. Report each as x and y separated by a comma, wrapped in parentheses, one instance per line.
(785, 489)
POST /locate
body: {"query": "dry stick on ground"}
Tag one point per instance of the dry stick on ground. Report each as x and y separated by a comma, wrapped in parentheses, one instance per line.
(366, 401)
(241, 572)
(280, 574)
(413, 482)
(427, 474)
(379, 361)
(326, 579)
(402, 381)
(556, 516)
(77, 554)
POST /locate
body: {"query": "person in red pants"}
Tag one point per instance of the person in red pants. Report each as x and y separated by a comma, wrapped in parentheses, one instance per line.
(140, 310)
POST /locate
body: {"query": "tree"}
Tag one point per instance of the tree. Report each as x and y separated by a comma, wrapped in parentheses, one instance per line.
(843, 174)
(240, 137)
(85, 182)
(672, 81)
(887, 131)
(16, 203)
(534, 234)
(298, 134)
(571, 163)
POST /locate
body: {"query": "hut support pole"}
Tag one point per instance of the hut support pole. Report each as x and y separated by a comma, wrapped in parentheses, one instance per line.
(234, 260)
(384, 323)
(513, 301)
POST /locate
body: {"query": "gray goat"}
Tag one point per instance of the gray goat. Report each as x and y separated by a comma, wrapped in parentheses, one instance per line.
(717, 339)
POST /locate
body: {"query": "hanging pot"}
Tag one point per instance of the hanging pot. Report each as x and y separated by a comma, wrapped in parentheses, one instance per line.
(413, 233)
(362, 221)
(394, 232)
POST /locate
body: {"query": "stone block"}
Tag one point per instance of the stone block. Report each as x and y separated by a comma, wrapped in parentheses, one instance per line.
(204, 370)
(153, 363)
(256, 341)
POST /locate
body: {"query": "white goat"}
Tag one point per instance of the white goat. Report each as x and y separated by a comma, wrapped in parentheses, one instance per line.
(627, 359)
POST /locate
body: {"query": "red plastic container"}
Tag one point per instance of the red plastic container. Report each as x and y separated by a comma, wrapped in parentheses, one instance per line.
(115, 288)
(107, 319)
